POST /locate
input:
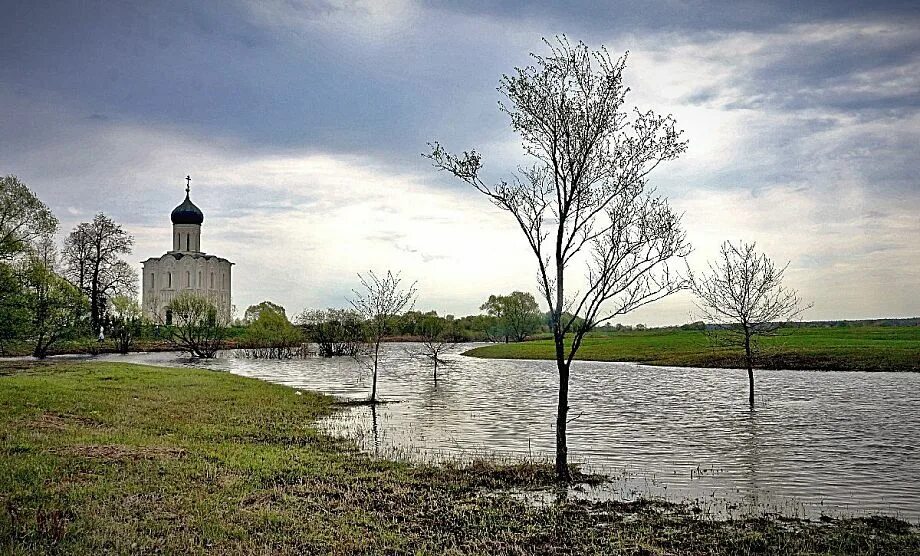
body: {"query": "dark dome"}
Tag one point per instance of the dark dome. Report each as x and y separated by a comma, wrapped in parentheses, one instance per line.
(187, 213)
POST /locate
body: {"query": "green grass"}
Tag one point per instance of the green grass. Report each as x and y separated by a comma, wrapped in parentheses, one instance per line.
(857, 348)
(113, 458)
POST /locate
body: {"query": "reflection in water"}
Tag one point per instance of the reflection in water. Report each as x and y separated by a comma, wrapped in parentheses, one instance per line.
(816, 442)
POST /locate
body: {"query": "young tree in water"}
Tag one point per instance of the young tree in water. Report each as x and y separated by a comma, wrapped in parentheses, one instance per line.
(196, 325)
(93, 263)
(437, 336)
(380, 299)
(601, 238)
(743, 292)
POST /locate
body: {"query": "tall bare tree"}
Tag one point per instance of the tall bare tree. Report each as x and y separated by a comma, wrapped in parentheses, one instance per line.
(743, 292)
(92, 261)
(584, 204)
(380, 299)
(24, 219)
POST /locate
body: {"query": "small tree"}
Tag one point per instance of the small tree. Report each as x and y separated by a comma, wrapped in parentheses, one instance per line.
(271, 335)
(743, 293)
(335, 332)
(127, 320)
(378, 302)
(437, 337)
(584, 203)
(24, 219)
(518, 314)
(55, 306)
(254, 311)
(196, 325)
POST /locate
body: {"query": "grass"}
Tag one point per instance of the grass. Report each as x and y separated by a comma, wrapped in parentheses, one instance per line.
(114, 458)
(856, 348)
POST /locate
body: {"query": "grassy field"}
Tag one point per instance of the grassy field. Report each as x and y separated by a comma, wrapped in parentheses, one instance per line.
(856, 348)
(112, 458)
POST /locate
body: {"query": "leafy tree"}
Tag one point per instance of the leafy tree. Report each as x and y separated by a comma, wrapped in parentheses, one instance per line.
(335, 332)
(254, 311)
(584, 204)
(127, 321)
(518, 314)
(24, 219)
(55, 306)
(196, 325)
(15, 315)
(92, 261)
(271, 335)
(380, 299)
(743, 292)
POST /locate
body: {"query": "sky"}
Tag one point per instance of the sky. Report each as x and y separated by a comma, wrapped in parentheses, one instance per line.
(301, 124)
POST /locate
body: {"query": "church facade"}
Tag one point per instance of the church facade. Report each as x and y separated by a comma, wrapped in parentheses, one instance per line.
(186, 268)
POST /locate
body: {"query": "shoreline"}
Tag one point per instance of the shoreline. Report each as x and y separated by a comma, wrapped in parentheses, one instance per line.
(243, 468)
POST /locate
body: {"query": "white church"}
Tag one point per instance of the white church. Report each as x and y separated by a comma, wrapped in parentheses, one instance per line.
(186, 267)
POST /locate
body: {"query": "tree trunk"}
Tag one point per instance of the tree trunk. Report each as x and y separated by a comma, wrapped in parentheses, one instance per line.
(562, 449)
(750, 368)
(374, 381)
(562, 413)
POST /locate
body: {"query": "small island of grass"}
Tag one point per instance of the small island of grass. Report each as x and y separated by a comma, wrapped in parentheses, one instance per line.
(844, 348)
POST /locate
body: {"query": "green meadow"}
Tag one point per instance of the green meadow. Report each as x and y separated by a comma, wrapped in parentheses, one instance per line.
(848, 348)
(112, 458)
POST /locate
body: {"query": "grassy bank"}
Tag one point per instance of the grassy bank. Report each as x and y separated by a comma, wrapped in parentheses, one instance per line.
(131, 459)
(857, 348)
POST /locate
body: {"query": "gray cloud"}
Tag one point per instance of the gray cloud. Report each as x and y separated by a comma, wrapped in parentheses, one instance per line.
(302, 124)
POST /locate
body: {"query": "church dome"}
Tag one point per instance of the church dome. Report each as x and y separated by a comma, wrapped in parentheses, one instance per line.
(187, 213)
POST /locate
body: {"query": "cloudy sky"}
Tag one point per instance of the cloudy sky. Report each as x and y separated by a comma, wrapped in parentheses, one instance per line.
(301, 124)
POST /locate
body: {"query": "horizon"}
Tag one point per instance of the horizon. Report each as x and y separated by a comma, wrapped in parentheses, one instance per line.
(301, 126)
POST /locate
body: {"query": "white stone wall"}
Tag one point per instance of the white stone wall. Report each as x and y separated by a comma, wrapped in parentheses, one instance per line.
(186, 268)
(187, 238)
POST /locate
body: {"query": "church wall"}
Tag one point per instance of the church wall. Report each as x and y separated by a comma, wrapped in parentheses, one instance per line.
(166, 277)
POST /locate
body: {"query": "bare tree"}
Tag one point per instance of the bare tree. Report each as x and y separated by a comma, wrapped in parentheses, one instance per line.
(437, 337)
(743, 292)
(584, 202)
(92, 263)
(24, 219)
(378, 302)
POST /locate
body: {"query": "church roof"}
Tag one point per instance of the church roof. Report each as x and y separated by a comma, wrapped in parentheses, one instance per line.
(187, 213)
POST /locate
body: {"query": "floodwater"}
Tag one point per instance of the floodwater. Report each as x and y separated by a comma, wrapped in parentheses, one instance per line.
(837, 443)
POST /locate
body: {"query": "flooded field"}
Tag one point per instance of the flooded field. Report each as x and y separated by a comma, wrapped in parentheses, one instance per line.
(816, 442)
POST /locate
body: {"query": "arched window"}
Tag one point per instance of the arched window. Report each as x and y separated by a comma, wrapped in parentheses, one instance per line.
(223, 281)
(186, 242)
(153, 281)
(188, 279)
(169, 279)
(212, 280)
(199, 279)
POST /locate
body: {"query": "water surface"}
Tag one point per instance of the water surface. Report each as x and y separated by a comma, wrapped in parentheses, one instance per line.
(816, 442)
